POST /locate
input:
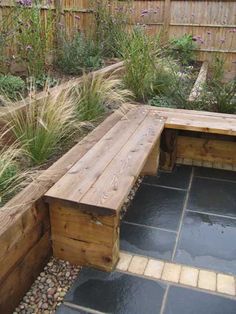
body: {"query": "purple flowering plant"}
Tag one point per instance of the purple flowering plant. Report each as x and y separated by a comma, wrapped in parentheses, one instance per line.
(29, 33)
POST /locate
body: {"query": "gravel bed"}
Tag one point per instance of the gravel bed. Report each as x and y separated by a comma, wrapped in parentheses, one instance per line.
(49, 289)
(130, 197)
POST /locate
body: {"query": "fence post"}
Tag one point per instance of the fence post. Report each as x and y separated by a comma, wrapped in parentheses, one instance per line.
(59, 21)
(167, 19)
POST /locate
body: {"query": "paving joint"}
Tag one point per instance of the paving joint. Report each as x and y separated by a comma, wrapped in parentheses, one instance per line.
(165, 186)
(183, 214)
(147, 226)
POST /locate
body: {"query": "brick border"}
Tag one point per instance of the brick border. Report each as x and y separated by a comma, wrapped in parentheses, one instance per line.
(155, 269)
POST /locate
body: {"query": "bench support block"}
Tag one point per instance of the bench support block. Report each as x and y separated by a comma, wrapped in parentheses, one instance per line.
(168, 149)
(84, 239)
(152, 163)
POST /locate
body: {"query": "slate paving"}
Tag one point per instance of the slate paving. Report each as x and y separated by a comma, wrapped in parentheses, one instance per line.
(208, 241)
(100, 292)
(116, 293)
(186, 301)
(188, 217)
(164, 207)
(147, 241)
(197, 214)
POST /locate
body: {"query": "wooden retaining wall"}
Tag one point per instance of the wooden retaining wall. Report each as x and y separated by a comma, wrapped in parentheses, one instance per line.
(212, 22)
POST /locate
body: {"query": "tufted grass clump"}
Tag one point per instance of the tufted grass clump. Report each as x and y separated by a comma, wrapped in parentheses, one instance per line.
(97, 93)
(11, 175)
(43, 125)
(140, 73)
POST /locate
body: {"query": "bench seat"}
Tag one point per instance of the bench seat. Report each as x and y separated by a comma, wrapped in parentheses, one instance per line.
(199, 121)
(85, 203)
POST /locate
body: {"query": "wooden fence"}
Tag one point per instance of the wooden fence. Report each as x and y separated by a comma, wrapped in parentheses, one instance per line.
(212, 22)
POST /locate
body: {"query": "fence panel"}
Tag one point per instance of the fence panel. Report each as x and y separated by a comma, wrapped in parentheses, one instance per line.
(212, 22)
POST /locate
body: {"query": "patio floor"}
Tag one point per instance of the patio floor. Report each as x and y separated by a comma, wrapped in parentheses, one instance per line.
(187, 217)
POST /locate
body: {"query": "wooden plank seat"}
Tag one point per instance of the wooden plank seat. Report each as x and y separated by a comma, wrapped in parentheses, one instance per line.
(199, 121)
(85, 203)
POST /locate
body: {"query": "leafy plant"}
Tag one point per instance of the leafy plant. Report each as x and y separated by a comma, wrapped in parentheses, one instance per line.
(79, 54)
(162, 101)
(183, 49)
(11, 86)
(43, 125)
(96, 94)
(44, 80)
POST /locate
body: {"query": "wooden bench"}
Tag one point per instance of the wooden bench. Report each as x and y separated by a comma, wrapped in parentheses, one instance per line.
(85, 203)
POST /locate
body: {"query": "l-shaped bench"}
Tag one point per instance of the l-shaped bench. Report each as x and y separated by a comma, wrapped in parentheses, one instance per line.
(85, 203)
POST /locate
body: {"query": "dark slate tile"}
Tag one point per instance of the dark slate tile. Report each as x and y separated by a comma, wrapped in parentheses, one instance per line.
(215, 173)
(178, 178)
(64, 309)
(147, 241)
(187, 301)
(156, 206)
(208, 241)
(213, 196)
(116, 293)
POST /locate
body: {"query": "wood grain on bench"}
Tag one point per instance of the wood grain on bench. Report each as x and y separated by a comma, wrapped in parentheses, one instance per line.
(138, 125)
(85, 202)
(199, 121)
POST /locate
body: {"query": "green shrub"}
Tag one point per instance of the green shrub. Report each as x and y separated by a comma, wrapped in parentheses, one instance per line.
(183, 49)
(44, 80)
(96, 94)
(78, 55)
(11, 86)
(162, 101)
